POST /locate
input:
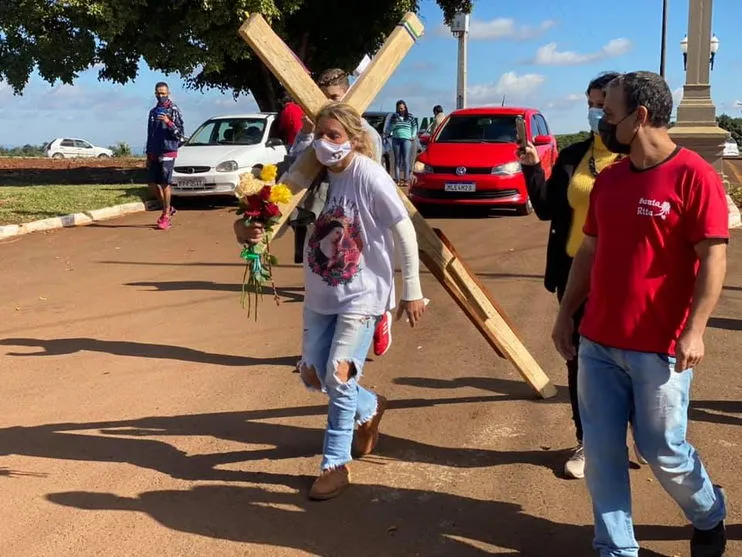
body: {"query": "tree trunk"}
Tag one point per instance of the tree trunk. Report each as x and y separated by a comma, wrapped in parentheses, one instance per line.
(263, 86)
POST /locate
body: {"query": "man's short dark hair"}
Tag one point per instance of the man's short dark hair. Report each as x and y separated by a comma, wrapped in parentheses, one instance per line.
(333, 77)
(437, 109)
(162, 84)
(601, 82)
(649, 90)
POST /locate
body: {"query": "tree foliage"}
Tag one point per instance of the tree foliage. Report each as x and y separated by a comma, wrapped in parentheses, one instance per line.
(732, 125)
(196, 39)
(567, 139)
(24, 151)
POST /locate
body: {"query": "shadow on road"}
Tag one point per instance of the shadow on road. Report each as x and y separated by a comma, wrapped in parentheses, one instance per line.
(726, 323)
(368, 520)
(64, 346)
(383, 520)
(714, 411)
(292, 293)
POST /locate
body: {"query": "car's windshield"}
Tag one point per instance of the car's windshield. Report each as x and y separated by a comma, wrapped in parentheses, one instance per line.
(376, 121)
(229, 131)
(478, 129)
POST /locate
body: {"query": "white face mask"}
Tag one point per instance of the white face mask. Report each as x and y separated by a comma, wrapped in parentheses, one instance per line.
(330, 154)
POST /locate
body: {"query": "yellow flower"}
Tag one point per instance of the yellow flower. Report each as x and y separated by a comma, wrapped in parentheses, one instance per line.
(281, 194)
(269, 173)
(249, 185)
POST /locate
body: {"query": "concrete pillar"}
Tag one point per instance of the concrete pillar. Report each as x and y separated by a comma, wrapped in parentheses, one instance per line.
(696, 126)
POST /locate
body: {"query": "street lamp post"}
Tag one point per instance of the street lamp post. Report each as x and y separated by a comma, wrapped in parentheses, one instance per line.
(713, 49)
(460, 29)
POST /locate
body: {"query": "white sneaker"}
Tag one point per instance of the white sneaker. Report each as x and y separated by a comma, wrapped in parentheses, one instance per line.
(639, 456)
(575, 466)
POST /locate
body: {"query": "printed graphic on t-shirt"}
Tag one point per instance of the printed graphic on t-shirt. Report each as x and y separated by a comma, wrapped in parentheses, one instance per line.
(653, 208)
(335, 249)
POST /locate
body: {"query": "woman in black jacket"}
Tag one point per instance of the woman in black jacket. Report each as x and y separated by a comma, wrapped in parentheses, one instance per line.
(563, 199)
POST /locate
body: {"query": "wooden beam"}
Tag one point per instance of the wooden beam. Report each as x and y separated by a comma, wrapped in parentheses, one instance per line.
(451, 271)
(282, 62)
(386, 61)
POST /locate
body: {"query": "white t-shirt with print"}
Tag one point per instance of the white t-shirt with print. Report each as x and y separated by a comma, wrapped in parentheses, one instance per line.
(349, 255)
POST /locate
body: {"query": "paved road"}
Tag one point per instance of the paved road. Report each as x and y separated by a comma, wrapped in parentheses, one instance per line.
(143, 414)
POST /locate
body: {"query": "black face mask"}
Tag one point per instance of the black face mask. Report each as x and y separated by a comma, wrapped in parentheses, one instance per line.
(610, 140)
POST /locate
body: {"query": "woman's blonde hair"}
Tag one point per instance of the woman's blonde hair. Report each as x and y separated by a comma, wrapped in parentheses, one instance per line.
(351, 122)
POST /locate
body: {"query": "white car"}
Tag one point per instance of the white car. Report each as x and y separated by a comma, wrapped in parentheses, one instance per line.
(222, 148)
(72, 148)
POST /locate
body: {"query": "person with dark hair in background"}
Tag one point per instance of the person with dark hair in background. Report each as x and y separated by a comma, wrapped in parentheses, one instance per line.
(651, 267)
(165, 135)
(563, 199)
(290, 120)
(438, 117)
(402, 128)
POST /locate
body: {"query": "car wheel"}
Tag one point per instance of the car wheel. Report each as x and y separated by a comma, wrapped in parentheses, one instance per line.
(525, 209)
(58, 156)
(103, 156)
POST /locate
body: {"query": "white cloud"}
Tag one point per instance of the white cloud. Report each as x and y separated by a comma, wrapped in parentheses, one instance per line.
(500, 29)
(677, 96)
(549, 55)
(565, 103)
(513, 87)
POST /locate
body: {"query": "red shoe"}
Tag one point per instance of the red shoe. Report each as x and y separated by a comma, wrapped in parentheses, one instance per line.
(383, 334)
(163, 223)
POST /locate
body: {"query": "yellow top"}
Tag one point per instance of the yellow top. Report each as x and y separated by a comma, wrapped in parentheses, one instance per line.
(580, 186)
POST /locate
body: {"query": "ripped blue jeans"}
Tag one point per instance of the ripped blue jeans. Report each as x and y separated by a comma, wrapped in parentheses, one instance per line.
(328, 342)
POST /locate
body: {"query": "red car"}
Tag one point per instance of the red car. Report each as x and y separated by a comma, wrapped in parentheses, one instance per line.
(471, 159)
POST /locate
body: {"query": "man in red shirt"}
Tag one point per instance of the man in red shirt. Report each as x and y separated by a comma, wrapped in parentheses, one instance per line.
(290, 120)
(651, 267)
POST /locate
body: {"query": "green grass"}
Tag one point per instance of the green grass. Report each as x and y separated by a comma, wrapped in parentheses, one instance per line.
(26, 204)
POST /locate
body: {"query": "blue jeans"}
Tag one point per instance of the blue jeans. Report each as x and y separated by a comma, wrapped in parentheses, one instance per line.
(401, 149)
(615, 386)
(330, 340)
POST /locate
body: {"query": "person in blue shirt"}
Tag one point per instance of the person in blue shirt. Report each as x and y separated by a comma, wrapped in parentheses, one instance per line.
(402, 128)
(165, 134)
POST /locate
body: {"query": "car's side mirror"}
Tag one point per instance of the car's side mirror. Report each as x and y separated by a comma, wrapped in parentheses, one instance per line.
(274, 142)
(542, 140)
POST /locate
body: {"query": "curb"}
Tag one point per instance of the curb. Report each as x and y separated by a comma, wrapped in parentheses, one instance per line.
(76, 219)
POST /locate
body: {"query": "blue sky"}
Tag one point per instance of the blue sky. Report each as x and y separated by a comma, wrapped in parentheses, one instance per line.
(542, 56)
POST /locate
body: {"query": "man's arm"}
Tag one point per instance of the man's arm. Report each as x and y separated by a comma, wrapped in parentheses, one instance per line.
(578, 288)
(712, 255)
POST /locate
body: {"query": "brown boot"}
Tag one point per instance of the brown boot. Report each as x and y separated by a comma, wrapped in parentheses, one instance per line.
(367, 435)
(331, 483)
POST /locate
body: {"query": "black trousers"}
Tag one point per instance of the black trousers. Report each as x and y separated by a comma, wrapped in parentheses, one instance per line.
(572, 369)
(300, 235)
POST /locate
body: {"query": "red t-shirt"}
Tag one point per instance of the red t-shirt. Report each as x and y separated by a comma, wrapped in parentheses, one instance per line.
(647, 223)
(290, 122)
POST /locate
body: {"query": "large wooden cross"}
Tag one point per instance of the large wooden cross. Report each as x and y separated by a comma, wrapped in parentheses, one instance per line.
(436, 252)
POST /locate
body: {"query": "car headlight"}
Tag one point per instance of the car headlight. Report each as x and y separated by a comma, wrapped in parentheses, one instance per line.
(507, 169)
(421, 168)
(227, 166)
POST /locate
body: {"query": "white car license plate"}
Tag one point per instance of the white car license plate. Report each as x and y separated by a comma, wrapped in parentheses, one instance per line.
(190, 183)
(460, 187)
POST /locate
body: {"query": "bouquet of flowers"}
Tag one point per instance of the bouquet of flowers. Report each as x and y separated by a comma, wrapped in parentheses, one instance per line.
(259, 198)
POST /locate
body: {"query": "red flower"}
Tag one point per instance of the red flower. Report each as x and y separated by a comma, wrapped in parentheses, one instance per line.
(254, 206)
(265, 194)
(271, 210)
